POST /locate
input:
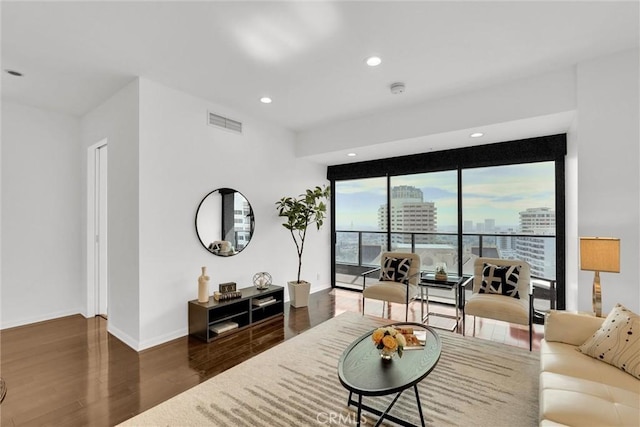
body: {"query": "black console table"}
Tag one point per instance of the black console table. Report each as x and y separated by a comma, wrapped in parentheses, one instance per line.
(205, 317)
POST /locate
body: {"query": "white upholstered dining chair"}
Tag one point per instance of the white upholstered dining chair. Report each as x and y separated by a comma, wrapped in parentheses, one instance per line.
(502, 290)
(398, 281)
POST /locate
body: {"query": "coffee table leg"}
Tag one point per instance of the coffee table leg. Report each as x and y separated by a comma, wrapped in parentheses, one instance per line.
(415, 387)
(359, 409)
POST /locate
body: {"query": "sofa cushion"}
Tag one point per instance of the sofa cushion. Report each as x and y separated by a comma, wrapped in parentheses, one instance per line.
(501, 280)
(576, 389)
(617, 341)
(570, 328)
(563, 359)
(575, 401)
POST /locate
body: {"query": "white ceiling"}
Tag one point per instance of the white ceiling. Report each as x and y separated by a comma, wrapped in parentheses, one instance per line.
(307, 56)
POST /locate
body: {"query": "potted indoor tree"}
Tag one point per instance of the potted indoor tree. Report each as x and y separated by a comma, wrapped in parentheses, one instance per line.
(300, 212)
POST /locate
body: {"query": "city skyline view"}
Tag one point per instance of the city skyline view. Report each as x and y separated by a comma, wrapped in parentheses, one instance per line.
(499, 193)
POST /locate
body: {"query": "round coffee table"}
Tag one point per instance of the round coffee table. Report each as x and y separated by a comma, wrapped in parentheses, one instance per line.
(363, 372)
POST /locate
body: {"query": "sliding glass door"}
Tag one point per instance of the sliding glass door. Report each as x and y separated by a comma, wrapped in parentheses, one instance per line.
(452, 215)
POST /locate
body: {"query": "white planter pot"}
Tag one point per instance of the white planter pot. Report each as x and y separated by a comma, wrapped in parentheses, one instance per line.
(299, 293)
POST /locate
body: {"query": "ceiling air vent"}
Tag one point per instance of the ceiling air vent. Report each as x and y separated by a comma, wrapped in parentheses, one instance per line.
(225, 123)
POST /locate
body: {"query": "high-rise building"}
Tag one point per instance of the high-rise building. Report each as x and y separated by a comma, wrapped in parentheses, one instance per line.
(538, 220)
(467, 225)
(506, 240)
(489, 225)
(242, 222)
(539, 252)
(506, 243)
(409, 213)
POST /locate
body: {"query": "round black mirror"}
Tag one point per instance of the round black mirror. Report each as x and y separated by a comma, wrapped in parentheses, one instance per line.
(224, 222)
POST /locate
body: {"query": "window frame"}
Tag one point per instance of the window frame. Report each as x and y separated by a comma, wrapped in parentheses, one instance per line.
(530, 150)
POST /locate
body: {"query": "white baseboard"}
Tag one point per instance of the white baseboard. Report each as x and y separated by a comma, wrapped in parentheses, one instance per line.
(146, 344)
(39, 318)
(128, 340)
(138, 345)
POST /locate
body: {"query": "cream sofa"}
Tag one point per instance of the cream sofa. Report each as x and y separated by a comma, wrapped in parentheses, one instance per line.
(576, 389)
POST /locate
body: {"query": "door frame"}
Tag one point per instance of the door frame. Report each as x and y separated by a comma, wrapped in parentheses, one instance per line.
(92, 229)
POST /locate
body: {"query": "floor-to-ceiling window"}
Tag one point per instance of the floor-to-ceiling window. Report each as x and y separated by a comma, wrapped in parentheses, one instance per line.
(424, 217)
(509, 212)
(359, 237)
(473, 203)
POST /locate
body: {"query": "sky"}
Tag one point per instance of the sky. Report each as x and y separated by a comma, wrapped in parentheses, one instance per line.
(498, 193)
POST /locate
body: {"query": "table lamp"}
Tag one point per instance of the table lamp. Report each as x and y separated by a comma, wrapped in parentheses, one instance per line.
(599, 254)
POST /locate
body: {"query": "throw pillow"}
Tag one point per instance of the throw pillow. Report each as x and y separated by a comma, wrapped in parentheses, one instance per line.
(395, 269)
(501, 280)
(617, 342)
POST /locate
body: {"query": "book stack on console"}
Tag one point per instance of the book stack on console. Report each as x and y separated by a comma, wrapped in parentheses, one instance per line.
(227, 292)
(224, 296)
(219, 328)
(261, 302)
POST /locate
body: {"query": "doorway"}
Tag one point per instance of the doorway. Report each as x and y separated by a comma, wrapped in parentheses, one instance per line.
(97, 243)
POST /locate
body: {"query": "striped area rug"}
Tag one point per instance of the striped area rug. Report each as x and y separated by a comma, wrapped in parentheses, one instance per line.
(476, 383)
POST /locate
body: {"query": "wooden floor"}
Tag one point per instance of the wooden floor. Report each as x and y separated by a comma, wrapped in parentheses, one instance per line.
(71, 372)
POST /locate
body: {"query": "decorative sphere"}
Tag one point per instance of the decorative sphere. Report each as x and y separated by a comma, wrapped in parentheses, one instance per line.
(262, 280)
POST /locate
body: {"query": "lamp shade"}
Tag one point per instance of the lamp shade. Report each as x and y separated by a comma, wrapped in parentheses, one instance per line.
(600, 254)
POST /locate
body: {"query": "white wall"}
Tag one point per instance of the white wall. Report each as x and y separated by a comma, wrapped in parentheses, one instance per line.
(571, 218)
(608, 179)
(41, 210)
(181, 160)
(117, 121)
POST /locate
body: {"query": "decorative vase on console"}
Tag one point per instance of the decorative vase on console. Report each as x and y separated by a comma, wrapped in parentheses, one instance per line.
(203, 286)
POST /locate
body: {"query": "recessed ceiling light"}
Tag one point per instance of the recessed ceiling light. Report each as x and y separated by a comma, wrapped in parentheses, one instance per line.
(373, 61)
(265, 100)
(476, 135)
(351, 154)
(14, 73)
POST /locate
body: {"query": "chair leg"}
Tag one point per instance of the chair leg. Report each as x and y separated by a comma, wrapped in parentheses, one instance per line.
(464, 323)
(474, 326)
(531, 322)
(383, 303)
(363, 305)
(406, 313)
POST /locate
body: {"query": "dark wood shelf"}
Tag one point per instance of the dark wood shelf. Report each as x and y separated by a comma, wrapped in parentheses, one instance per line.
(204, 315)
(225, 318)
